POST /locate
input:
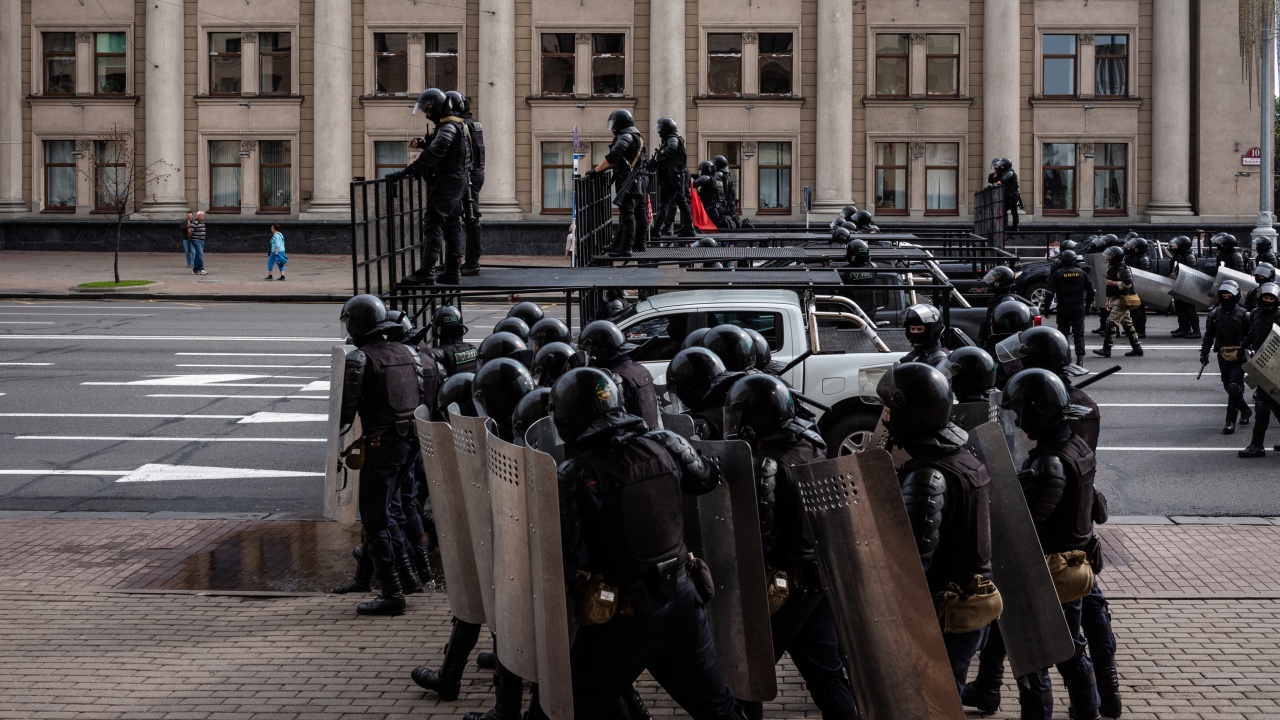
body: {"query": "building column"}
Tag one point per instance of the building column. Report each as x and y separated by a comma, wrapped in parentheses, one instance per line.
(833, 187)
(497, 108)
(1170, 112)
(1001, 83)
(331, 146)
(166, 127)
(11, 103)
(667, 89)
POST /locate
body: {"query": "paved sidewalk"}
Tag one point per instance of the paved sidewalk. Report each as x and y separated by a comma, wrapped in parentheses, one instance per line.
(93, 627)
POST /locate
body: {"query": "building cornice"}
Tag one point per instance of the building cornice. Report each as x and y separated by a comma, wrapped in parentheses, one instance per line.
(592, 102)
(743, 100)
(872, 101)
(1080, 102)
(252, 99)
(81, 100)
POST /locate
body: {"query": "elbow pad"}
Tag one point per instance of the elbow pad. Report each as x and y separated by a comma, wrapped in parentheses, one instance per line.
(1044, 482)
(694, 467)
(352, 387)
(766, 472)
(924, 492)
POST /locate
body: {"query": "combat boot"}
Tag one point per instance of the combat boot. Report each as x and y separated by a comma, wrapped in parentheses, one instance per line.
(451, 275)
(984, 692)
(363, 581)
(1109, 690)
(391, 600)
(486, 660)
(421, 563)
(1107, 340)
(409, 581)
(447, 683)
(634, 704)
(508, 690)
(1135, 344)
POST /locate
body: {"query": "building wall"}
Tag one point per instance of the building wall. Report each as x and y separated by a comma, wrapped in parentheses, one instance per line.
(1224, 125)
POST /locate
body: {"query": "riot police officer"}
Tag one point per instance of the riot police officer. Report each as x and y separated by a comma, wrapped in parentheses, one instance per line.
(972, 372)
(622, 527)
(505, 345)
(549, 330)
(529, 312)
(550, 362)
(924, 327)
(1010, 318)
(711, 192)
(1188, 318)
(1261, 319)
(471, 205)
(605, 348)
(1135, 256)
(626, 158)
(846, 213)
(1119, 291)
(1263, 252)
(733, 346)
(447, 162)
(1229, 255)
(1071, 285)
(1002, 174)
(670, 167)
(1226, 331)
(1263, 273)
(514, 326)
(732, 209)
(697, 377)
(859, 273)
(1057, 479)
(1000, 285)
(764, 355)
(1047, 349)
(761, 411)
(946, 493)
(453, 353)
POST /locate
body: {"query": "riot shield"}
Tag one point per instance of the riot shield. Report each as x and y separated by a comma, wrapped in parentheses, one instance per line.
(450, 511)
(730, 525)
(1191, 285)
(341, 483)
(681, 425)
(550, 606)
(1152, 289)
(1263, 369)
(1098, 274)
(541, 435)
(512, 574)
(469, 445)
(871, 567)
(1017, 441)
(1244, 280)
(969, 415)
(1034, 629)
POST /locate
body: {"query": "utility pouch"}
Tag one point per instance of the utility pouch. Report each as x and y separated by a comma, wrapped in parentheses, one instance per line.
(961, 612)
(1072, 575)
(353, 457)
(1130, 301)
(595, 602)
(1230, 353)
(667, 573)
(1100, 512)
(1094, 551)
(777, 588)
(700, 575)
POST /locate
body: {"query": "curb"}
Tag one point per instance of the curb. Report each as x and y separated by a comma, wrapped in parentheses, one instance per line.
(78, 291)
(99, 294)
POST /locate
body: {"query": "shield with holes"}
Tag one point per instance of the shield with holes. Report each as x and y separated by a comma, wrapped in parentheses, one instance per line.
(871, 567)
(969, 415)
(1263, 369)
(469, 445)
(512, 574)
(550, 606)
(1191, 285)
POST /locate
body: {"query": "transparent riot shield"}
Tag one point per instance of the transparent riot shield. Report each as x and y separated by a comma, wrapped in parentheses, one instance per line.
(341, 483)
(1192, 286)
(1152, 289)
(542, 436)
(450, 510)
(469, 436)
(512, 566)
(1017, 441)
(871, 568)
(1034, 629)
(1098, 274)
(551, 619)
(1244, 280)
(681, 425)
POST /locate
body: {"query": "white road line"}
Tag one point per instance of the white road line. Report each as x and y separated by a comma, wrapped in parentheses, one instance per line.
(279, 417)
(45, 314)
(1158, 373)
(99, 307)
(1137, 405)
(220, 384)
(241, 397)
(64, 472)
(227, 354)
(24, 363)
(187, 338)
(220, 379)
(1172, 449)
(285, 367)
(317, 386)
(169, 439)
(156, 472)
(24, 322)
(126, 415)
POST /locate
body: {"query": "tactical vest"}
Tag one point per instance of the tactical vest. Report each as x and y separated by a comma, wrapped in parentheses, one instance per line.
(477, 144)
(674, 163)
(1070, 525)
(1229, 326)
(1070, 284)
(1120, 273)
(964, 540)
(1088, 427)
(1262, 322)
(459, 357)
(391, 391)
(641, 398)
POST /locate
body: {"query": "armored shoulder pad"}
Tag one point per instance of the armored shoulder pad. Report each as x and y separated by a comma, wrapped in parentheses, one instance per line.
(695, 466)
(924, 492)
(766, 472)
(352, 387)
(1044, 482)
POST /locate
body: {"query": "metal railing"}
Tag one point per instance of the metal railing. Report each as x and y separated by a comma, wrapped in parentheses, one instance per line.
(387, 243)
(593, 216)
(988, 214)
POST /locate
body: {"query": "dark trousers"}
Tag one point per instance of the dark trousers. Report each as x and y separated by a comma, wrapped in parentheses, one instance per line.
(632, 222)
(1188, 318)
(1035, 690)
(1011, 215)
(1263, 408)
(675, 197)
(673, 642)
(1071, 323)
(379, 480)
(1139, 317)
(1232, 372)
(471, 215)
(1095, 622)
(806, 630)
(406, 508)
(961, 647)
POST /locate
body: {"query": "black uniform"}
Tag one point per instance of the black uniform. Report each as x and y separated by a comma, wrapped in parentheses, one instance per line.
(625, 156)
(1228, 325)
(1231, 258)
(639, 396)
(1188, 318)
(446, 163)
(1260, 321)
(1012, 198)
(984, 331)
(1138, 261)
(731, 207)
(456, 357)
(1267, 256)
(931, 353)
(471, 213)
(1072, 287)
(671, 172)
(710, 187)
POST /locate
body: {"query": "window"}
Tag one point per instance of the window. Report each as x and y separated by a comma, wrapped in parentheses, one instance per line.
(389, 157)
(941, 177)
(891, 178)
(1109, 179)
(59, 175)
(391, 63)
(724, 63)
(1059, 160)
(765, 323)
(775, 63)
(1059, 65)
(732, 151)
(274, 57)
(442, 60)
(108, 58)
(274, 177)
(224, 63)
(224, 175)
(608, 64)
(942, 64)
(557, 63)
(557, 177)
(59, 63)
(1111, 62)
(892, 63)
(659, 338)
(111, 181)
(775, 177)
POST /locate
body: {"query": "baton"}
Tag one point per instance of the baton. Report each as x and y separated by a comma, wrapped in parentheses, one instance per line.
(1098, 376)
(1202, 367)
(796, 361)
(810, 401)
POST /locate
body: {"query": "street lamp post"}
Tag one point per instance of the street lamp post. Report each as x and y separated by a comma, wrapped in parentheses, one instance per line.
(1266, 182)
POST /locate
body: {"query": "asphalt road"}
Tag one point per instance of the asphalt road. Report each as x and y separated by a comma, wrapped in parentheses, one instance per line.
(221, 408)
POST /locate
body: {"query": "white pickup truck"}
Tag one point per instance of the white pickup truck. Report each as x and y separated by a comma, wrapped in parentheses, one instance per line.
(837, 336)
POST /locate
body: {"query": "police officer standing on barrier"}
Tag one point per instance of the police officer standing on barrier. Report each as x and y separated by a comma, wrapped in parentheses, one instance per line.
(1188, 318)
(761, 411)
(924, 328)
(453, 353)
(471, 204)
(711, 192)
(1261, 319)
(732, 208)
(1071, 285)
(670, 165)
(621, 524)
(603, 346)
(1135, 256)
(1002, 174)
(1226, 332)
(1121, 297)
(627, 160)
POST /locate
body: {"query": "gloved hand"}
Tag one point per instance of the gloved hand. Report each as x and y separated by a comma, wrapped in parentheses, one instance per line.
(1204, 359)
(591, 173)
(395, 176)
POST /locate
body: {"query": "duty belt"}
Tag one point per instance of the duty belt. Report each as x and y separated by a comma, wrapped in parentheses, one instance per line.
(647, 595)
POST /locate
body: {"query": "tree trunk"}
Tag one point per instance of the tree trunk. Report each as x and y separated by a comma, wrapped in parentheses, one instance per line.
(116, 266)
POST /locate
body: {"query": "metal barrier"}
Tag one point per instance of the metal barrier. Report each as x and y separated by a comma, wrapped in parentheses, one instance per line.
(988, 214)
(387, 243)
(593, 216)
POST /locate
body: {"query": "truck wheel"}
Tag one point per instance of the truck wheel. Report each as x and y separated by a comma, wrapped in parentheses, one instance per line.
(851, 433)
(1038, 293)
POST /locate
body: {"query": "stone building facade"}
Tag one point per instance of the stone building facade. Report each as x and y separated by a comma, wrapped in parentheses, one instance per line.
(1112, 111)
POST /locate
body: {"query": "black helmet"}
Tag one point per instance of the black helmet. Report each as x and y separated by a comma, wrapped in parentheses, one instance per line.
(457, 389)
(706, 167)
(529, 312)
(1136, 246)
(620, 120)
(1068, 258)
(1110, 240)
(706, 242)
(362, 315)
(498, 387)
(1229, 291)
(694, 338)
(691, 374)
(665, 126)
(862, 219)
(549, 330)
(1262, 244)
(447, 322)
(760, 347)
(927, 316)
(999, 278)
(1011, 316)
(1001, 164)
(721, 162)
(1227, 241)
(849, 225)
(579, 398)
(972, 372)
(433, 102)
(757, 407)
(733, 345)
(1268, 289)
(1181, 244)
(1113, 254)
(1130, 235)
(1264, 272)
(457, 102)
(1068, 245)
(848, 211)
(396, 327)
(919, 399)
(842, 235)
(601, 340)
(857, 252)
(515, 326)
(531, 408)
(1038, 399)
(551, 362)
(500, 345)
(1038, 347)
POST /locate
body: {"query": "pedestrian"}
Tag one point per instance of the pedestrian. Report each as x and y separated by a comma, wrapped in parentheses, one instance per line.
(197, 235)
(185, 229)
(276, 257)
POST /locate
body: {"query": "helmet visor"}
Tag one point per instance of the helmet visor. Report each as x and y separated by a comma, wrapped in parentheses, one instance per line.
(1011, 348)
(869, 379)
(417, 106)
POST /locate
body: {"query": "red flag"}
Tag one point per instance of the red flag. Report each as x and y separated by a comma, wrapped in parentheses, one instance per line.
(648, 202)
(701, 220)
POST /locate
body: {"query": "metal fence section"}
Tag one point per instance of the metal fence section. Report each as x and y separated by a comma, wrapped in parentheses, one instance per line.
(988, 214)
(593, 216)
(387, 242)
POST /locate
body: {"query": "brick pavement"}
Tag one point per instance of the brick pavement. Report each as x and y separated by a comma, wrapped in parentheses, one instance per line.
(1197, 609)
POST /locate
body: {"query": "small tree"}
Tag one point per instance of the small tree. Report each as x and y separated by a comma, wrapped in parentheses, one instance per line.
(118, 181)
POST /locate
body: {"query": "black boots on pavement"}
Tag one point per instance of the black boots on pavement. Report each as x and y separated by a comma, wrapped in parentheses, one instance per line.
(448, 681)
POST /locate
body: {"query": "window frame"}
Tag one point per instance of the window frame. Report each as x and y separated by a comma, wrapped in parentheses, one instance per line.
(545, 209)
(735, 168)
(214, 55)
(429, 57)
(953, 169)
(591, 65)
(98, 167)
(1124, 181)
(791, 178)
(46, 55)
(262, 53)
(75, 169)
(543, 55)
(905, 167)
(763, 57)
(1075, 64)
(265, 166)
(709, 54)
(1074, 210)
(373, 155)
(928, 56)
(1126, 57)
(124, 58)
(221, 209)
(906, 55)
(394, 55)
